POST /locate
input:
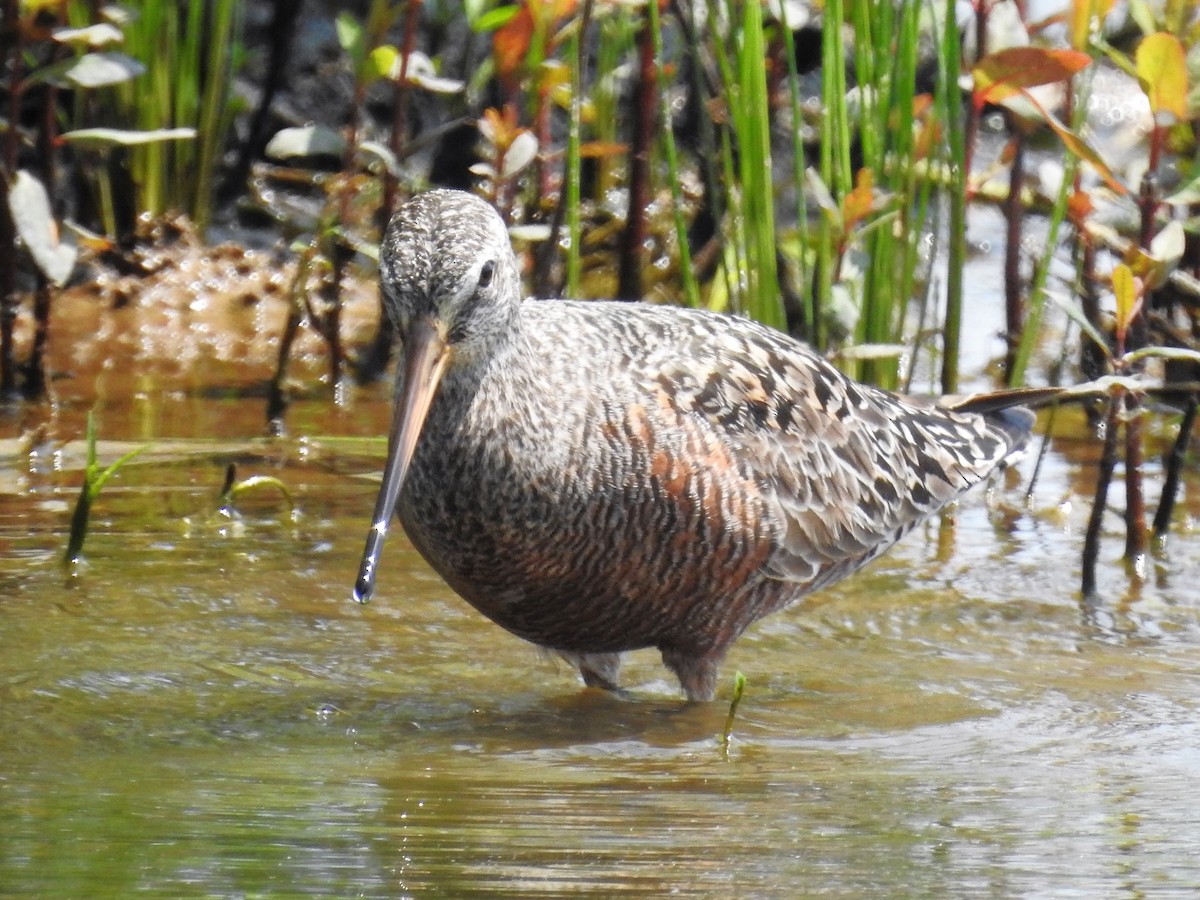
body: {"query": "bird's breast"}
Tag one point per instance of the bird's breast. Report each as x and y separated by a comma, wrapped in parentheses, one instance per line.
(607, 532)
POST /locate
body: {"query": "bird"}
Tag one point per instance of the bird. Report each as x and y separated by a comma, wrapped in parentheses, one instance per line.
(598, 476)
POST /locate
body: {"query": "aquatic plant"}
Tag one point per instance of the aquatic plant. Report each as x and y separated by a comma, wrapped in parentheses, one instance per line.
(234, 489)
(94, 479)
(739, 689)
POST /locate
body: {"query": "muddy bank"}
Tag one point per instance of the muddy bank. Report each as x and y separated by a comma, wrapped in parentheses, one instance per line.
(180, 315)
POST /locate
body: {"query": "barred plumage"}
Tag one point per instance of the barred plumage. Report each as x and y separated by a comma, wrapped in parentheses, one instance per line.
(598, 477)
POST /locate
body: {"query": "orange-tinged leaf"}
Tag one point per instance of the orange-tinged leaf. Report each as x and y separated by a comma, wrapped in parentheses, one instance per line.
(1162, 71)
(500, 127)
(511, 43)
(922, 103)
(928, 136)
(1006, 72)
(1080, 206)
(857, 203)
(1084, 151)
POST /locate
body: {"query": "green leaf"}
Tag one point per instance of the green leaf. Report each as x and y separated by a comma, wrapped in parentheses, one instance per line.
(350, 37)
(472, 10)
(872, 351)
(739, 689)
(1175, 354)
(1142, 13)
(257, 483)
(521, 152)
(1167, 247)
(113, 468)
(373, 151)
(497, 18)
(93, 481)
(382, 62)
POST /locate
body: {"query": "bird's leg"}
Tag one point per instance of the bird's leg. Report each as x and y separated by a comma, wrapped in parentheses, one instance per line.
(696, 673)
(599, 670)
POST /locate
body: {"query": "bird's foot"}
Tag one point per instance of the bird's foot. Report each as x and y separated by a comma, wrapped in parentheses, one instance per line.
(599, 670)
(697, 674)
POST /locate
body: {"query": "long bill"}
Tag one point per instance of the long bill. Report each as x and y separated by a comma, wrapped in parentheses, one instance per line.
(425, 356)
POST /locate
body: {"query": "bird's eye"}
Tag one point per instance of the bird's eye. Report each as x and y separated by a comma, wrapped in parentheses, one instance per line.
(486, 273)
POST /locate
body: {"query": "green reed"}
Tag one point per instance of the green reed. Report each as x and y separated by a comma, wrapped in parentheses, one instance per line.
(886, 50)
(750, 263)
(190, 52)
(691, 292)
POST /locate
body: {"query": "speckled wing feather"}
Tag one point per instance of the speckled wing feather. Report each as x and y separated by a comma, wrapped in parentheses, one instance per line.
(843, 470)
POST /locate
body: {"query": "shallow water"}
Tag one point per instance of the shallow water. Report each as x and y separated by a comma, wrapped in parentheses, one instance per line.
(202, 710)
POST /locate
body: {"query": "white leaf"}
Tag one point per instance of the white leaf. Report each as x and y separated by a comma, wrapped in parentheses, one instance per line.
(529, 232)
(310, 140)
(435, 84)
(520, 153)
(52, 252)
(872, 351)
(93, 37)
(93, 70)
(102, 136)
(1167, 246)
(373, 150)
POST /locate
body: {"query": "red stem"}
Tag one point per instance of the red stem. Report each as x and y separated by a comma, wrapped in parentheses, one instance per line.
(1014, 301)
(399, 135)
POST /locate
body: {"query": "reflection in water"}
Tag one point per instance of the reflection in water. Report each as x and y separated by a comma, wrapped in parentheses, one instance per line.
(202, 710)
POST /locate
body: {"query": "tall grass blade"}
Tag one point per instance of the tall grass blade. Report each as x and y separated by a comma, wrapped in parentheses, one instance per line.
(752, 116)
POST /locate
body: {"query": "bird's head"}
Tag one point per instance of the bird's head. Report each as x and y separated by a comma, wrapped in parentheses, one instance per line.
(446, 263)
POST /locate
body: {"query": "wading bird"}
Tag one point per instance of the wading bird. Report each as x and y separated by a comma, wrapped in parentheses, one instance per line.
(598, 477)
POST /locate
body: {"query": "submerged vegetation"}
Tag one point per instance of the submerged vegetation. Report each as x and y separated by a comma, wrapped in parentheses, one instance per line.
(738, 155)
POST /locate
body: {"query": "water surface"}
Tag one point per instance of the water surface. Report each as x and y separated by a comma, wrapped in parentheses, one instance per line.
(201, 710)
